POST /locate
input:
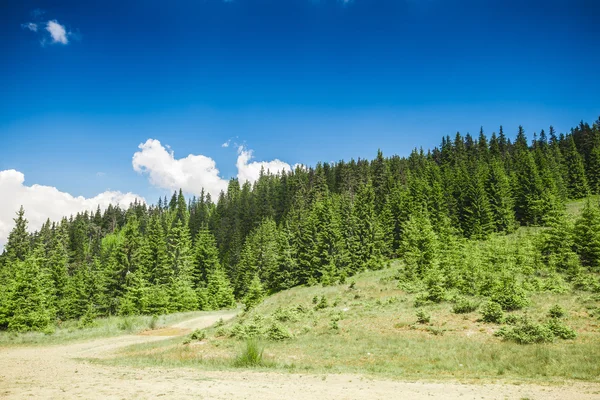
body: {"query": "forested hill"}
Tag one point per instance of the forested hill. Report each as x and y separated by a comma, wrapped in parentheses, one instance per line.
(313, 225)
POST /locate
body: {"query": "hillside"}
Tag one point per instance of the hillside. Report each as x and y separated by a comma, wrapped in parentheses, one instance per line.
(379, 324)
(314, 225)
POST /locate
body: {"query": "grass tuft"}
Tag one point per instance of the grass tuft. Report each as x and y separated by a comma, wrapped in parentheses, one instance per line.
(251, 355)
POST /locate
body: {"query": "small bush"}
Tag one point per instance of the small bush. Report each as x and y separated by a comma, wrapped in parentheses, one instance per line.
(435, 330)
(492, 312)
(221, 332)
(126, 324)
(284, 315)
(251, 355)
(514, 319)
(322, 304)
(198, 334)
(556, 311)
(333, 324)
(219, 323)
(421, 300)
(153, 324)
(526, 333)
(436, 293)
(464, 306)
(301, 309)
(278, 332)
(238, 331)
(315, 299)
(510, 295)
(87, 320)
(560, 330)
(352, 285)
(254, 329)
(423, 317)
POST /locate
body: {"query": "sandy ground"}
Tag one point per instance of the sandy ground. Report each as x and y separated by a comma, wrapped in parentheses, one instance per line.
(54, 372)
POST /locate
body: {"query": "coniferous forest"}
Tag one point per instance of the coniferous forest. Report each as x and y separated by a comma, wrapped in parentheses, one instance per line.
(321, 225)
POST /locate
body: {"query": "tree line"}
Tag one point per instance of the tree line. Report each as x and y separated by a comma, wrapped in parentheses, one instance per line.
(312, 225)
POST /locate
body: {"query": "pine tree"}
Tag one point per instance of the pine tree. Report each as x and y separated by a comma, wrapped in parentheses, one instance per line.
(135, 298)
(594, 166)
(182, 296)
(254, 294)
(368, 230)
(218, 293)
(527, 187)
(159, 271)
(576, 181)
(380, 181)
(179, 251)
(206, 257)
(587, 236)
(475, 206)
(29, 303)
(57, 265)
(557, 242)
(259, 256)
(419, 245)
(500, 197)
(18, 244)
(286, 274)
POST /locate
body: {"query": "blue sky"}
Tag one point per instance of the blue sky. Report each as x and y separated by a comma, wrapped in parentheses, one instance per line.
(296, 80)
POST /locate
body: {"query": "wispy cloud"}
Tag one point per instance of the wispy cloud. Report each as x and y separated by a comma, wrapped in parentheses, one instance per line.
(49, 31)
(37, 13)
(32, 26)
(226, 144)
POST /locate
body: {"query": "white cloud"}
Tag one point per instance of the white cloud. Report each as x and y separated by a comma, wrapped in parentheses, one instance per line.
(31, 26)
(226, 144)
(57, 31)
(43, 202)
(191, 173)
(250, 171)
(196, 172)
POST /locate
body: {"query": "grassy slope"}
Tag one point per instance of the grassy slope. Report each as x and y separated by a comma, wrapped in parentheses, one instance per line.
(378, 334)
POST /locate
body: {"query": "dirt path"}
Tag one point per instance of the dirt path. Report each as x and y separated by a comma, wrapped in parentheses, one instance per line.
(53, 372)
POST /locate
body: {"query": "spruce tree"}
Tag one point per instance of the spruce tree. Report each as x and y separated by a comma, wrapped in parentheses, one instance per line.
(587, 236)
(527, 185)
(17, 245)
(475, 206)
(419, 245)
(206, 257)
(368, 230)
(594, 166)
(500, 198)
(576, 182)
(159, 271)
(29, 302)
(254, 294)
(218, 293)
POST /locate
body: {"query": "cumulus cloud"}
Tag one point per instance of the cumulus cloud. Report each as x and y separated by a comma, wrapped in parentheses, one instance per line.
(43, 202)
(191, 173)
(57, 32)
(196, 172)
(250, 171)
